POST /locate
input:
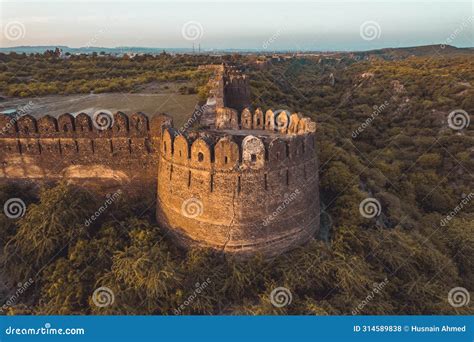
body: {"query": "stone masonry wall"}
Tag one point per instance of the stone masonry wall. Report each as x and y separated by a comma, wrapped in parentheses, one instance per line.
(229, 88)
(73, 148)
(240, 193)
(237, 91)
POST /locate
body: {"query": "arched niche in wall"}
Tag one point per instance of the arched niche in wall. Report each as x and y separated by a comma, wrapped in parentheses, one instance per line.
(200, 154)
(258, 122)
(8, 126)
(226, 118)
(139, 124)
(282, 121)
(47, 125)
(66, 124)
(226, 154)
(167, 142)
(27, 125)
(302, 125)
(246, 119)
(293, 124)
(120, 125)
(253, 152)
(83, 124)
(269, 120)
(181, 149)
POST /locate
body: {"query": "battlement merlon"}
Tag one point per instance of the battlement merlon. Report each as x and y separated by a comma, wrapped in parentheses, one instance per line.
(256, 145)
(82, 126)
(280, 121)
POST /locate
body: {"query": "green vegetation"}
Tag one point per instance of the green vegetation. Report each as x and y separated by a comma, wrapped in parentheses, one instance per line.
(43, 74)
(149, 275)
(406, 157)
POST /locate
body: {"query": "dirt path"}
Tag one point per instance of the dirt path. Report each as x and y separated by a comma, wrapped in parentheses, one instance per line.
(180, 107)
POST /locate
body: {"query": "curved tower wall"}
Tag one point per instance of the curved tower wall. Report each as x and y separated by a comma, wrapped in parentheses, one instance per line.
(239, 193)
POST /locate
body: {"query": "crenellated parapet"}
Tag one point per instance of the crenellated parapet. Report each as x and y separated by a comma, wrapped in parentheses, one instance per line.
(219, 151)
(82, 126)
(280, 121)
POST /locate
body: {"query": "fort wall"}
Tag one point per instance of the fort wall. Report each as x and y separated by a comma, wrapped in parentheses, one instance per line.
(243, 191)
(74, 148)
(236, 91)
(228, 88)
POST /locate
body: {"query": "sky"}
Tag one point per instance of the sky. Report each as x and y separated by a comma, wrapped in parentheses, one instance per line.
(262, 25)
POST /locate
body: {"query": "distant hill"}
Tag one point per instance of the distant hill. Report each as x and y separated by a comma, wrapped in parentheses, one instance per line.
(419, 51)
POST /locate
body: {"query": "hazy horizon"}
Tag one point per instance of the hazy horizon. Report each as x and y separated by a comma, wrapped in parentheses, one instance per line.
(210, 50)
(263, 25)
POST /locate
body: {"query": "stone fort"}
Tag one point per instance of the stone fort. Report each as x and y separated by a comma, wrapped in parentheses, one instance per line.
(244, 182)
